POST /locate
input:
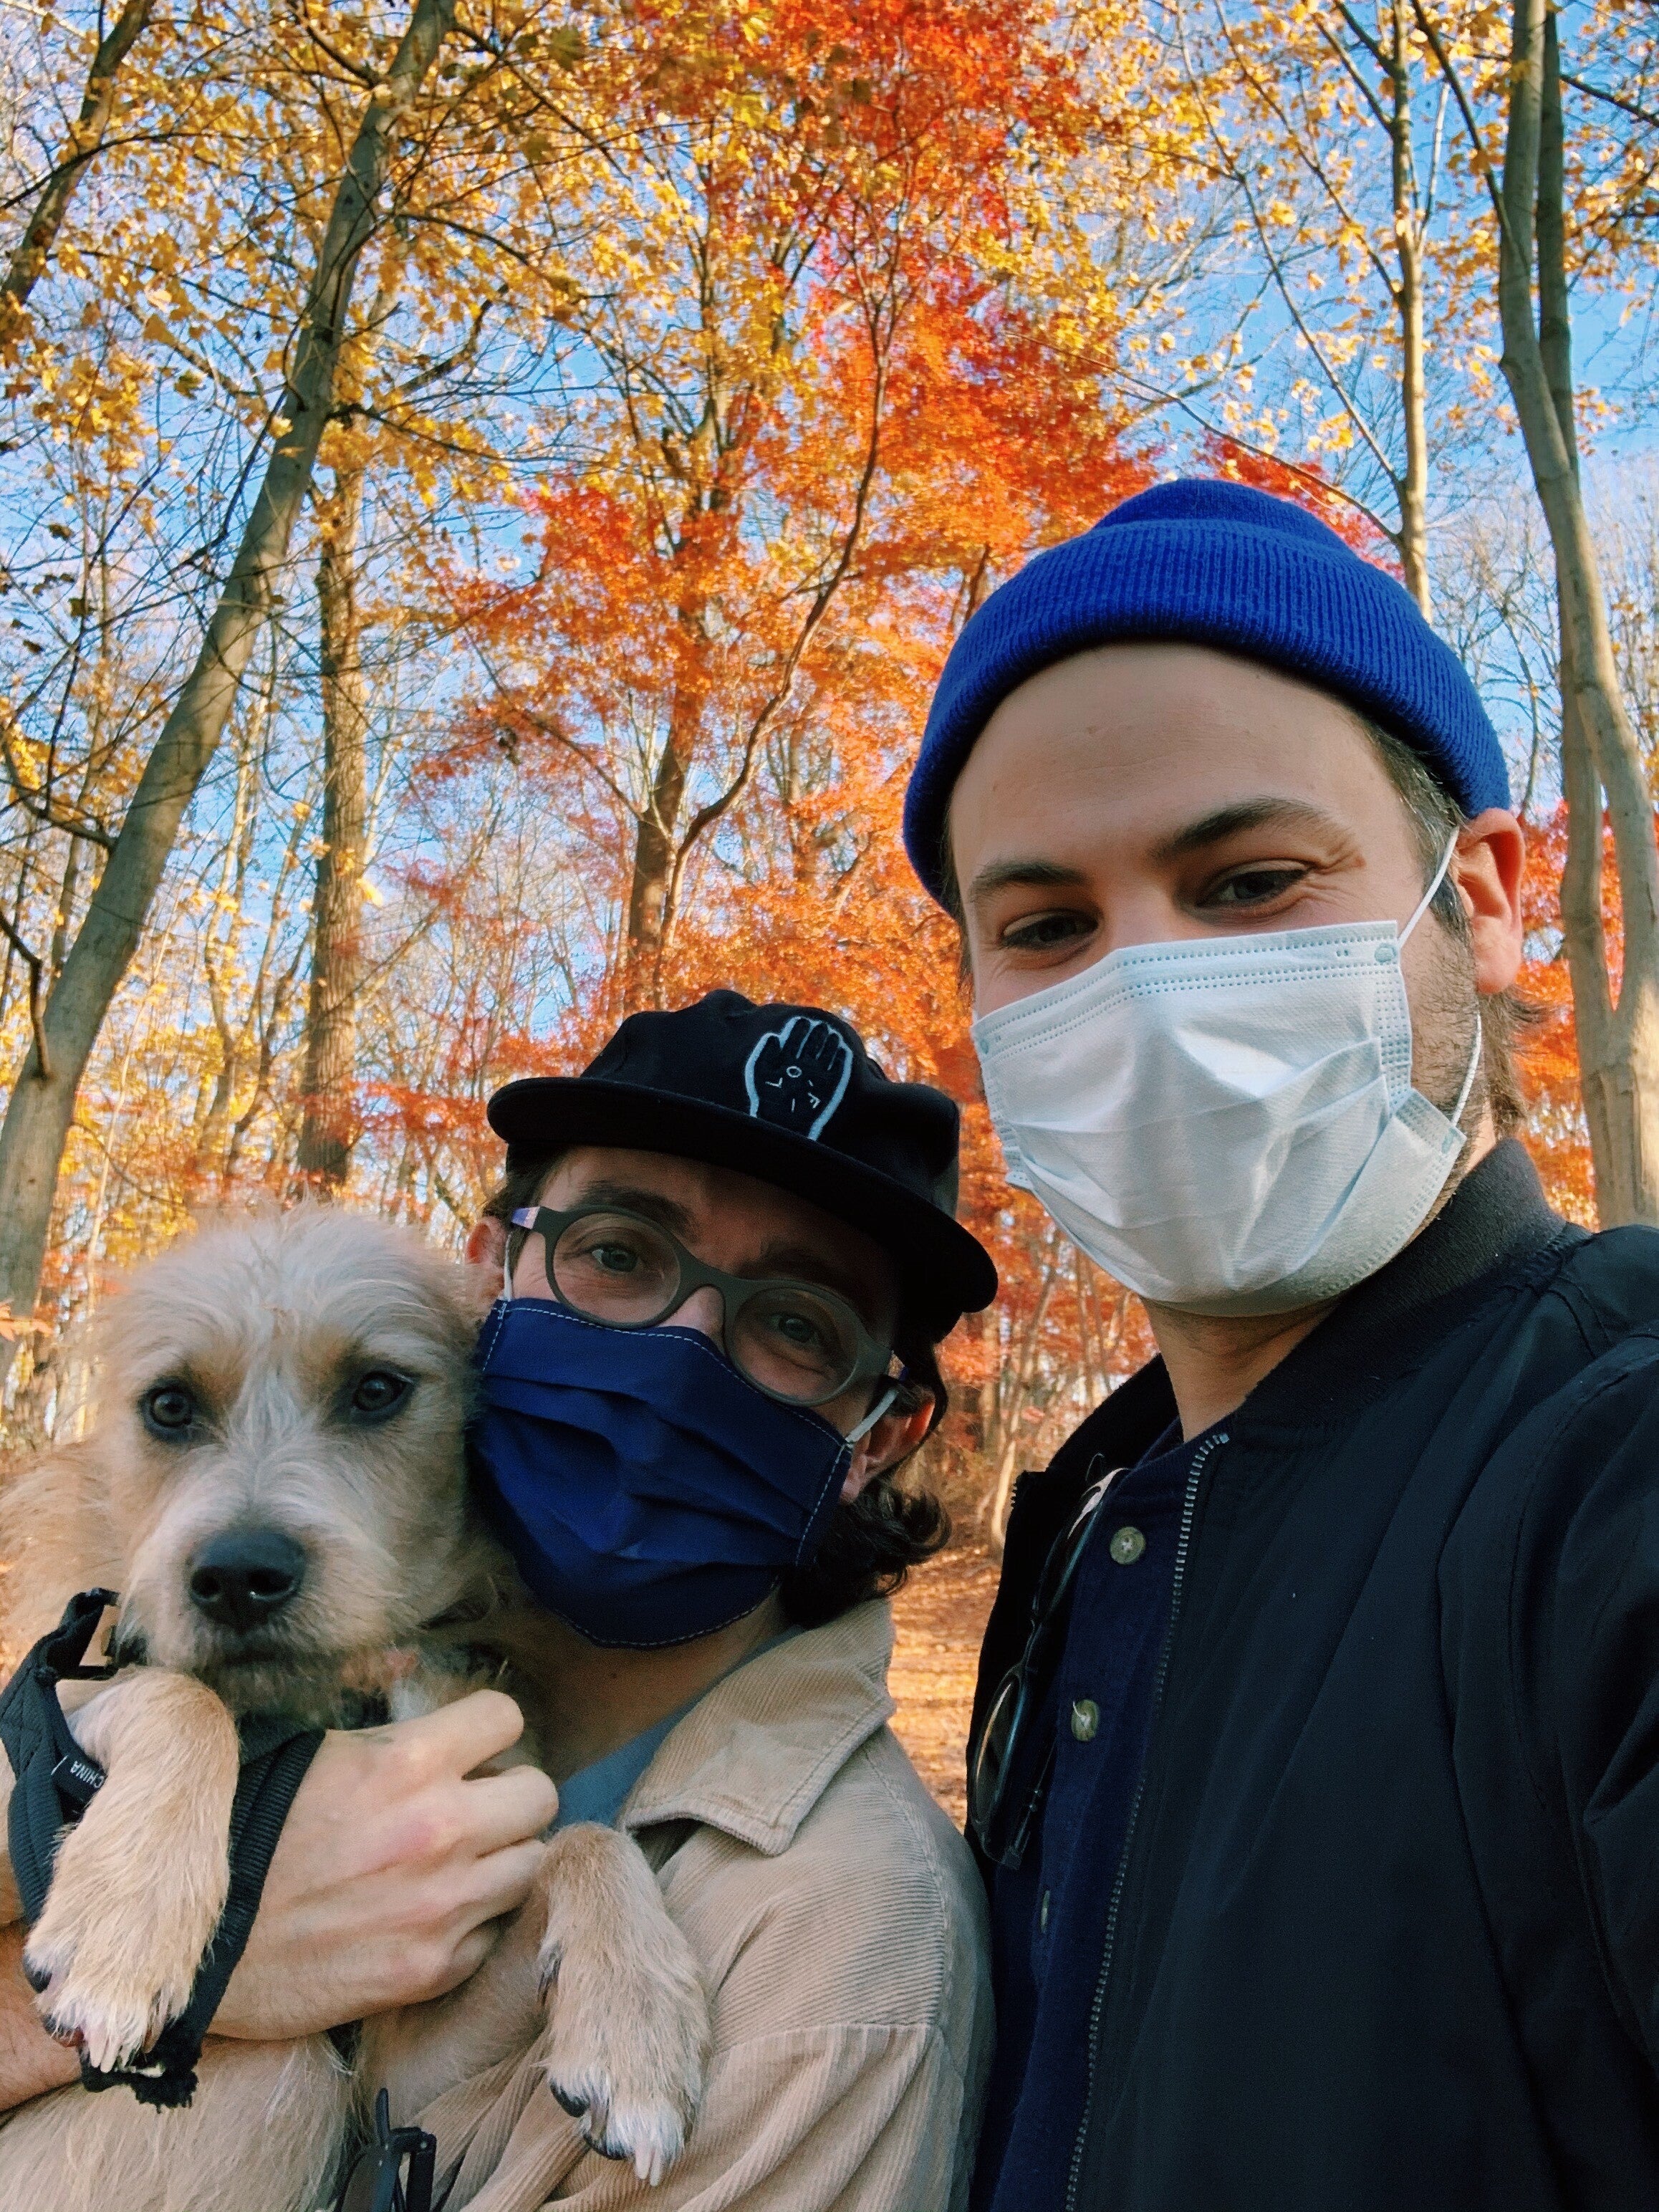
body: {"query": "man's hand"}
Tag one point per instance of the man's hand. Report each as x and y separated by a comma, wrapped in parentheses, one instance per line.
(391, 1870)
(391, 1867)
(30, 2062)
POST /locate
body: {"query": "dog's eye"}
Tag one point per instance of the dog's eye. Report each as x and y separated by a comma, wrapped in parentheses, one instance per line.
(379, 1393)
(168, 1411)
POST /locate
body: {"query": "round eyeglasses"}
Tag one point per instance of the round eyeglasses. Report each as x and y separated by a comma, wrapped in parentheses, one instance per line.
(796, 1341)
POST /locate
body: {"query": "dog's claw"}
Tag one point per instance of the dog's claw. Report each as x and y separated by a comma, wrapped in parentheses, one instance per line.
(629, 2070)
(648, 2133)
(80, 2010)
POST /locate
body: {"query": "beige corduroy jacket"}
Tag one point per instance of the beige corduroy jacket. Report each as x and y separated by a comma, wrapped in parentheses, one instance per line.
(840, 1927)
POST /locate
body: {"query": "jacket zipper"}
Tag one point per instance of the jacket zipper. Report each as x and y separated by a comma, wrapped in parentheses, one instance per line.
(1188, 1508)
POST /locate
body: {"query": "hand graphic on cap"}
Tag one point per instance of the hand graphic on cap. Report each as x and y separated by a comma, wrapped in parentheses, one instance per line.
(797, 1075)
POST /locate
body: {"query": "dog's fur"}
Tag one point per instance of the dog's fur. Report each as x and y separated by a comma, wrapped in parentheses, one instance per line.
(270, 1323)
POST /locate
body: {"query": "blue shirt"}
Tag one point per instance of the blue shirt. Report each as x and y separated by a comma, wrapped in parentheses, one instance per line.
(599, 1792)
(1048, 1916)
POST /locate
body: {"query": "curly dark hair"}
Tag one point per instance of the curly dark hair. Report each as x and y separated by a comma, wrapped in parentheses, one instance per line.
(870, 1546)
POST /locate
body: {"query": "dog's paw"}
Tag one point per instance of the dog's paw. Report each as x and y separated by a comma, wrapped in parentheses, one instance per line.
(110, 2009)
(140, 1881)
(649, 2134)
(627, 2062)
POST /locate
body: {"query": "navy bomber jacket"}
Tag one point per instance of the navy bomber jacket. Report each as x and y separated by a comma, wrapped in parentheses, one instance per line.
(1389, 1929)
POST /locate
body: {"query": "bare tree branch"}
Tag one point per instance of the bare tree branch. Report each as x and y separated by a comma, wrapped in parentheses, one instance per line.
(28, 261)
(1630, 107)
(32, 962)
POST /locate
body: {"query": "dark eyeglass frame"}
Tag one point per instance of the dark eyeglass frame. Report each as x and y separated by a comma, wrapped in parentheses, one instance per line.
(734, 1293)
(1001, 1816)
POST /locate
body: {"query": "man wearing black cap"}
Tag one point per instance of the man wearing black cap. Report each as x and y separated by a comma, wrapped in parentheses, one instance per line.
(725, 1254)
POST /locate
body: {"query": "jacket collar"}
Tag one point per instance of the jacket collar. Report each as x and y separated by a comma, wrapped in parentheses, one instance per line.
(754, 1756)
(1497, 1225)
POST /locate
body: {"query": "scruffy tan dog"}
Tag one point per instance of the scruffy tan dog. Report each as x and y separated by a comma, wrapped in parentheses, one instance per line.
(275, 1485)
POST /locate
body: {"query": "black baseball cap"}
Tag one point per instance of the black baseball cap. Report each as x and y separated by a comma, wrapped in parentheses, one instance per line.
(787, 1095)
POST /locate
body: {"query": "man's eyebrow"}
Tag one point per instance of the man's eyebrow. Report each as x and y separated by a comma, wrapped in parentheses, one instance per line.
(1039, 875)
(1225, 822)
(801, 1262)
(634, 1197)
(1270, 812)
(804, 1264)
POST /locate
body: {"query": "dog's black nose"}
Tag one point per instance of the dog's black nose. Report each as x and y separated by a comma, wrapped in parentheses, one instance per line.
(244, 1578)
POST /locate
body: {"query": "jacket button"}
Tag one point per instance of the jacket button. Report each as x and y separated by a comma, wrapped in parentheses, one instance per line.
(1042, 1913)
(1085, 1719)
(1127, 1545)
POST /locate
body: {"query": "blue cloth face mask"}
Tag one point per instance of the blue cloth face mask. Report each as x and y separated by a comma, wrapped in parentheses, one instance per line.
(648, 1493)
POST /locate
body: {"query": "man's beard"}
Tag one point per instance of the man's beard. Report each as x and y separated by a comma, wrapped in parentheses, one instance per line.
(1445, 1024)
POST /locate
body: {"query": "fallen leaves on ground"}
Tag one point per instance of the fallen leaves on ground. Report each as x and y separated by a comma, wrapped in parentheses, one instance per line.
(940, 1615)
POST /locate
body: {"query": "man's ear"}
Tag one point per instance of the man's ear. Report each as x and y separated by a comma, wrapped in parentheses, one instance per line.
(486, 1252)
(895, 1436)
(1488, 868)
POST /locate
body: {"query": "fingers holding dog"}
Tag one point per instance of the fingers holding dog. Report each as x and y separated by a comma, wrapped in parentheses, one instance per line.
(510, 1808)
(394, 1858)
(459, 1738)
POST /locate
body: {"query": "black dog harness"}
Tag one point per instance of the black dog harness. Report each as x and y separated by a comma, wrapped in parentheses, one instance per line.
(392, 2150)
(56, 1781)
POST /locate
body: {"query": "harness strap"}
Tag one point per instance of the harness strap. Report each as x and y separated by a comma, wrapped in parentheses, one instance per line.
(390, 2150)
(55, 1779)
(55, 1782)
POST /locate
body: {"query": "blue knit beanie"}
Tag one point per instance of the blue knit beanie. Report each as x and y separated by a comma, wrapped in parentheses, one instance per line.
(1215, 563)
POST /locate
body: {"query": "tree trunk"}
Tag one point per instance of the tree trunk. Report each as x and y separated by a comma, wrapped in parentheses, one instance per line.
(42, 1104)
(220, 945)
(33, 250)
(1618, 1042)
(1554, 307)
(329, 1129)
(656, 833)
(1012, 1395)
(653, 865)
(1412, 489)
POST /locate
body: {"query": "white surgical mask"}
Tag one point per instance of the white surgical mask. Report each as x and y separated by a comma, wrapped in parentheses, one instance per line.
(1227, 1125)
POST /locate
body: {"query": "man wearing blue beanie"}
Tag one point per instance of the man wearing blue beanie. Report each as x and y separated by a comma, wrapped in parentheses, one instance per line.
(1314, 1769)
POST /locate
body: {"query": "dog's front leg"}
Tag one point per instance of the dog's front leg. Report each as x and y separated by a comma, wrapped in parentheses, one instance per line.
(627, 2041)
(141, 1880)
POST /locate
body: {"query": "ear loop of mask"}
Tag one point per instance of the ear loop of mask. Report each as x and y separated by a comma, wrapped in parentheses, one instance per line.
(1480, 1026)
(1439, 878)
(1474, 1062)
(874, 1414)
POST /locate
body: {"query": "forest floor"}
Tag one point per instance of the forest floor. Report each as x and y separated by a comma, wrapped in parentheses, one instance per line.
(940, 1614)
